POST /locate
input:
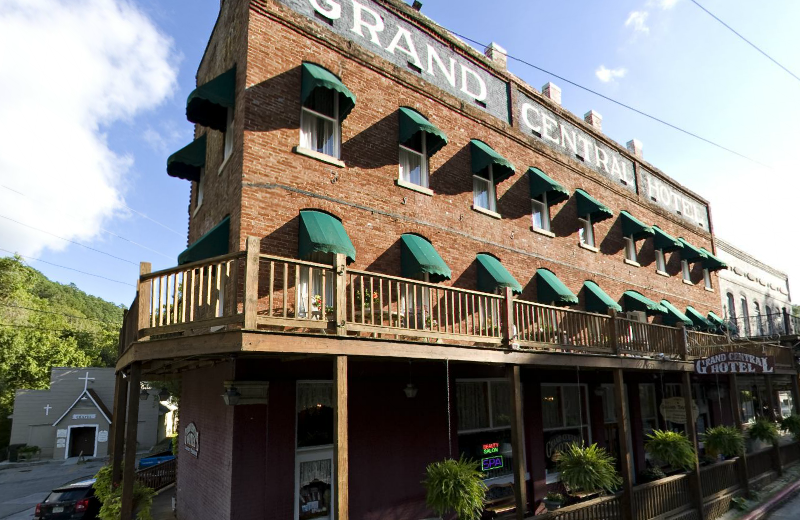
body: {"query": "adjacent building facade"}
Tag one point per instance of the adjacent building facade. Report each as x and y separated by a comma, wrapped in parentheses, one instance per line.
(399, 253)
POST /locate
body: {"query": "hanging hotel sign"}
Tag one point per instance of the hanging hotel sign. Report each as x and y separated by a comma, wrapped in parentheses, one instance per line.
(735, 363)
(191, 439)
(673, 409)
(380, 31)
(673, 199)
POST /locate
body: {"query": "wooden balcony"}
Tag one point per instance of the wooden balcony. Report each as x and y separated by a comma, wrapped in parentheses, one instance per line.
(254, 293)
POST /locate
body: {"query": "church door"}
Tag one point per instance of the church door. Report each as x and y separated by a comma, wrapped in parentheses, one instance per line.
(81, 440)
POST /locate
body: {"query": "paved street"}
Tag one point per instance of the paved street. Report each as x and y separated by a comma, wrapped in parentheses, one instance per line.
(22, 488)
(789, 511)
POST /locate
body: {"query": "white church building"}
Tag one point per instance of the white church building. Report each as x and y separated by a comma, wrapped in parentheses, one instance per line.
(73, 417)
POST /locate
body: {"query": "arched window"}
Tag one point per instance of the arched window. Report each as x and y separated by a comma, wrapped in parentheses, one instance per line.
(745, 316)
(770, 320)
(731, 307)
(757, 316)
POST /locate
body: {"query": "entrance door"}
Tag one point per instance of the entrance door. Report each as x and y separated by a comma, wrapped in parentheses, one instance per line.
(81, 441)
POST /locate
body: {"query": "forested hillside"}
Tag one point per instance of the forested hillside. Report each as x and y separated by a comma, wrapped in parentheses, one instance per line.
(45, 324)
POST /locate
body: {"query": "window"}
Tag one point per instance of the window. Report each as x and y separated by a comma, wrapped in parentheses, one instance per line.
(687, 274)
(745, 316)
(228, 147)
(586, 231)
(770, 320)
(661, 261)
(565, 420)
(758, 320)
(200, 183)
(647, 403)
(630, 249)
(414, 161)
(483, 195)
(314, 414)
(541, 212)
(707, 278)
(484, 425)
(317, 285)
(731, 307)
(319, 122)
(415, 303)
(314, 455)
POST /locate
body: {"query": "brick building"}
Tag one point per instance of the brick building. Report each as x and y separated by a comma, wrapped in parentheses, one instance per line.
(398, 253)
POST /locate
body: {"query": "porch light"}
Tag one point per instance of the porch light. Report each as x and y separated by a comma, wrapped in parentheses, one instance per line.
(410, 390)
(163, 395)
(143, 395)
(231, 396)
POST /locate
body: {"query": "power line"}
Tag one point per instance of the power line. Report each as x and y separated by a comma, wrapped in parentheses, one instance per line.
(182, 235)
(69, 268)
(751, 44)
(12, 325)
(68, 240)
(620, 103)
(59, 314)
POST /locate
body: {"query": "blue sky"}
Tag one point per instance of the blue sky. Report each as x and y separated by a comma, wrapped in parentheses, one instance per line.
(99, 88)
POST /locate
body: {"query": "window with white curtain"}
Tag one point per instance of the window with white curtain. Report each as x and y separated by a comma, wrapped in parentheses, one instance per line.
(483, 194)
(415, 305)
(228, 146)
(565, 420)
(321, 292)
(687, 274)
(586, 231)
(707, 278)
(314, 413)
(541, 212)
(414, 160)
(661, 261)
(320, 130)
(630, 249)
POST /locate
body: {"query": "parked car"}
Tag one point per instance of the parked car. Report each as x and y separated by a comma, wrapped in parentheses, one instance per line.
(158, 458)
(71, 501)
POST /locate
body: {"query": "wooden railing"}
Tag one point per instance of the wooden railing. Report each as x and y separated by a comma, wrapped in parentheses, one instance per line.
(603, 508)
(158, 476)
(760, 462)
(702, 344)
(719, 477)
(544, 326)
(790, 453)
(660, 497)
(648, 339)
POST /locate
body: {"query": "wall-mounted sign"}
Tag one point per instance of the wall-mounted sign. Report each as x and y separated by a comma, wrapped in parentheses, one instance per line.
(379, 30)
(61, 433)
(673, 409)
(84, 416)
(102, 436)
(191, 439)
(492, 447)
(735, 363)
(490, 463)
(61, 443)
(673, 199)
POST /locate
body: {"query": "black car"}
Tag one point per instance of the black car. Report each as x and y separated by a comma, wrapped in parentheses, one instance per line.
(71, 501)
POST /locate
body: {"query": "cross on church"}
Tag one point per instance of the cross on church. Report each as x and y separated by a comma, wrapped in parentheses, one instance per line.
(47, 409)
(86, 380)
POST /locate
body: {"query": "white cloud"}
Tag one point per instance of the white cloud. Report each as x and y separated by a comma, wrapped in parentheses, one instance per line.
(164, 139)
(638, 19)
(606, 75)
(69, 69)
(667, 4)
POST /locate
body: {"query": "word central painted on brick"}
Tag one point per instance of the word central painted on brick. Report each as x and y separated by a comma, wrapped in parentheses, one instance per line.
(379, 30)
(570, 140)
(673, 200)
(735, 363)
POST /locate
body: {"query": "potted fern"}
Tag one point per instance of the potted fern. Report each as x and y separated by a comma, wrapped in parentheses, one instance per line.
(457, 486)
(791, 424)
(725, 441)
(587, 470)
(553, 501)
(671, 448)
(762, 433)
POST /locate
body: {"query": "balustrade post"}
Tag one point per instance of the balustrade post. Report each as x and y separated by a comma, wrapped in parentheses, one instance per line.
(612, 332)
(143, 289)
(624, 449)
(251, 265)
(340, 294)
(736, 411)
(695, 484)
(509, 333)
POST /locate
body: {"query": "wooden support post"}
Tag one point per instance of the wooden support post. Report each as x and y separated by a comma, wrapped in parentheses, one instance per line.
(509, 336)
(736, 411)
(132, 423)
(612, 331)
(340, 294)
(118, 428)
(683, 343)
(691, 432)
(341, 491)
(251, 264)
(624, 449)
(143, 290)
(795, 394)
(517, 440)
(773, 416)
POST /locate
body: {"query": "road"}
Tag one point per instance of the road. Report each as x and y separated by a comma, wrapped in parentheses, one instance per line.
(788, 511)
(22, 488)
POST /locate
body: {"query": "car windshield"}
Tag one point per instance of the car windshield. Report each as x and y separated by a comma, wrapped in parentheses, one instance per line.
(66, 495)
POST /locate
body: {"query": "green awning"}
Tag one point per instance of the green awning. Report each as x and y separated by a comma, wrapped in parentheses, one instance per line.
(673, 315)
(412, 122)
(493, 276)
(315, 77)
(542, 183)
(552, 291)
(720, 325)
(664, 241)
(634, 301)
(214, 243)
(699, 321)
(633, 227)
(597, 300)
(483, 155)
(187, 162)
(691, 253)
(208, 104)
(323, 233)
(587, 205)
(712, 263)
(418, 256)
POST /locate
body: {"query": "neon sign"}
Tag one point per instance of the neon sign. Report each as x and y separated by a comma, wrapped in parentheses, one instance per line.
(492, 447)
(491, 463)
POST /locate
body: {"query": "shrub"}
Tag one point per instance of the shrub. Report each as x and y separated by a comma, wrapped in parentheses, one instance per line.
(111, 497)
(554, 497)
(791, 424)
(651, 474)
(727, 441)
(763, 430)
(588, 469)
(671, 448)
(455, 485)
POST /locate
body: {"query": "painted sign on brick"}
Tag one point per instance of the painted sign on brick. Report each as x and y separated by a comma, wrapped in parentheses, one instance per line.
(673, 199)
(556, 132)
(380, 31)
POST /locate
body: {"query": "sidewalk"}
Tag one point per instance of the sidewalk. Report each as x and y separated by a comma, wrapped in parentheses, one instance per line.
(162, 504)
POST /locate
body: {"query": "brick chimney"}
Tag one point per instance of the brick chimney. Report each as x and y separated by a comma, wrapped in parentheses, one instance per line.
(635, 147)
(498, 55)
(594, 119)
(552, 92)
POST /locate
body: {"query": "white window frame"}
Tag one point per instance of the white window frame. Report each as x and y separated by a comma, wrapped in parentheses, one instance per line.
(542, 209)
(707, 278)
(630, 249)
(306, 140)
(227, 149)
(491, 195)
(586, 421)
(685, 271)
(661, 261)
(311, 453)
(423, 168)
(586, 231)
(306, 285)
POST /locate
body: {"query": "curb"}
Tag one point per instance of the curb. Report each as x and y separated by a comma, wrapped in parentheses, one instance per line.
(16, 465)
(773, 503)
